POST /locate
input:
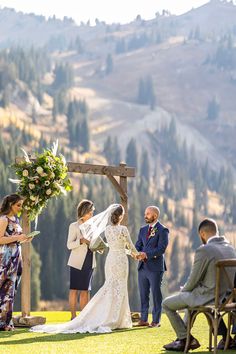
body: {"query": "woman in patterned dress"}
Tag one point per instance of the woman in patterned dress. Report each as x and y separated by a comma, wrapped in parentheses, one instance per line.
(10, 257)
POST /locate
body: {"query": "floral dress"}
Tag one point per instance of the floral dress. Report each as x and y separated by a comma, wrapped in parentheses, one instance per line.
(10, 272)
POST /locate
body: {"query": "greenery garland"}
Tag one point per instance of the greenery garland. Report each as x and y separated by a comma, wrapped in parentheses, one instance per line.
(41, 179)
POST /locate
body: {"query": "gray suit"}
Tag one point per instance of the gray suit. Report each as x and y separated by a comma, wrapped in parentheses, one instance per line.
(200, 286)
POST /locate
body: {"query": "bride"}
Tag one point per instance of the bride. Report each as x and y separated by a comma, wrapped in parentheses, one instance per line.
(109, 307)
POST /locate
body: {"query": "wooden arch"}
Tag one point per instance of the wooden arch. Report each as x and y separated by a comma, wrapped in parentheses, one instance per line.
(117, 175)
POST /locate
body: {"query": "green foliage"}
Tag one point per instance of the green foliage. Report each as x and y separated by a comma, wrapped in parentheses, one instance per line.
(138, 41)
(132, 154)
(59, 42)
(146, 93)
(213, 109)
(28, 65)
(111, 151)
(120, 46)
(64, 76)
(145, 165)
(78, 128)
(225, 56)
(60, 103)
(109, 64)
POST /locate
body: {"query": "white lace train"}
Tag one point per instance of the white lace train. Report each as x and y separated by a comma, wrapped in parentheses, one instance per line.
(109, 307)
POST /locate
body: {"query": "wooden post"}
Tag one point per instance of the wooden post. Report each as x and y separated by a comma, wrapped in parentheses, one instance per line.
(25, 282)
(124, 201)
(25, 320)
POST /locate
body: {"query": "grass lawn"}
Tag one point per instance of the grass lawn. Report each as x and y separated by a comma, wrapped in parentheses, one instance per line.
(133, 341)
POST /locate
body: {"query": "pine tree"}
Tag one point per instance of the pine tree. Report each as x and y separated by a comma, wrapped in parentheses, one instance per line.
(175, 260)
(145, 165)
(213, 109)
(109, 64)
(116, 152)
(132, 154)
(85, 137)
(195, 241)
(107, 149)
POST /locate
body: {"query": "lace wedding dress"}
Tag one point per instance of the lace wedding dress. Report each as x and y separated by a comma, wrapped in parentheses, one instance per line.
(109, 307)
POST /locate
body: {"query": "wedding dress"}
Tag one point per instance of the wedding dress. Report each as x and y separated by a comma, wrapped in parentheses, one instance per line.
(109, 307)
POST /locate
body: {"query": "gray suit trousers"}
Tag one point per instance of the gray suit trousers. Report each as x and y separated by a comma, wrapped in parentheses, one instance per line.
(170, 305)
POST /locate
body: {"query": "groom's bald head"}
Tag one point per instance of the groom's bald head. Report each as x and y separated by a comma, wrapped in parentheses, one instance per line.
(151, 214)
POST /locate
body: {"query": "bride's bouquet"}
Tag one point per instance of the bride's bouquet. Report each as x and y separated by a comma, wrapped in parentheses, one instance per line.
(98, 245)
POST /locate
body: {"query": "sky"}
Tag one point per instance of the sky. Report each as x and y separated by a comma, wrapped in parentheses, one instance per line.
(122, 11)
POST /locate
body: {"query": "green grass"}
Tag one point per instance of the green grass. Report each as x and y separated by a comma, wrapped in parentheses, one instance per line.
(133, 341)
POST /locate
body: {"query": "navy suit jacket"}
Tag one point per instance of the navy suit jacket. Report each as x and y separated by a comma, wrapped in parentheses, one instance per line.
(154, 247)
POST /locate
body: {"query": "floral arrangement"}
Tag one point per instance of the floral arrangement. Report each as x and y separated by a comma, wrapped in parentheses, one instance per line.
(41, 179)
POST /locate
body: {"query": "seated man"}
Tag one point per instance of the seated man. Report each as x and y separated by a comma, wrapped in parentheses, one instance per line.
(200, 286)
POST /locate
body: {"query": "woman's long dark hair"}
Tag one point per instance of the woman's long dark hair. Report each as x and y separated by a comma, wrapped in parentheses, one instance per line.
(8, 201)
(84, 207)
(115, 216)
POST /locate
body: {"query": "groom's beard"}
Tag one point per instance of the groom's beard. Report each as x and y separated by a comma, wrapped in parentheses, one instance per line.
(150, 220)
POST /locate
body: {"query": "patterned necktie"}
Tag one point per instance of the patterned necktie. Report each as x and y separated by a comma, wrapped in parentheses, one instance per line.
(149, 232)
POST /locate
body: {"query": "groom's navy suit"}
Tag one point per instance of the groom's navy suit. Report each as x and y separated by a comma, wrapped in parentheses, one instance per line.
(150, 271)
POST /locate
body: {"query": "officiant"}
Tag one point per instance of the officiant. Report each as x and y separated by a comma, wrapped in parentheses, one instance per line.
(82, 259)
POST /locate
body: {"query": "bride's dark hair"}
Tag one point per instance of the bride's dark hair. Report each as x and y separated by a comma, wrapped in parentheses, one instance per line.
(115, 216)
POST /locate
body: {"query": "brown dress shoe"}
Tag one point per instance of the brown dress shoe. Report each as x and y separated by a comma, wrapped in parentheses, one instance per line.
(194, 344)
(142, 324)
(154, 324)
(177, 345)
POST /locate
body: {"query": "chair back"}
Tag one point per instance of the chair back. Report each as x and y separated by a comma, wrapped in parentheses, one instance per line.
(225, 272)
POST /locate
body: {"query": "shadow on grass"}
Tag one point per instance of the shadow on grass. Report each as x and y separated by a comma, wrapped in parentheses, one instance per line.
(40, 338)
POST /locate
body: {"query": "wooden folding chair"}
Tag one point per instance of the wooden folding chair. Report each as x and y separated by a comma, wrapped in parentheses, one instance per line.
(221, 307)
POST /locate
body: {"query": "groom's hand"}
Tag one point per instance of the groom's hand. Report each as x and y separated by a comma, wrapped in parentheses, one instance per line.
(142, 256)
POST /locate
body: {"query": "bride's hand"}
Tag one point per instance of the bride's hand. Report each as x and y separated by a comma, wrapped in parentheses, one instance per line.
(134, 255)
(84, 241)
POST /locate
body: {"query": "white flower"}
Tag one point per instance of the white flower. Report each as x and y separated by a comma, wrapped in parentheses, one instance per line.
(39, 170)
(25, 173)
(48, 191)
(52, 175)
(47, 183)
(31, 186)
(32, 197)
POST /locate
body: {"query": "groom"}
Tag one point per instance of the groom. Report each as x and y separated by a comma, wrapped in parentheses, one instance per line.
(152, 243)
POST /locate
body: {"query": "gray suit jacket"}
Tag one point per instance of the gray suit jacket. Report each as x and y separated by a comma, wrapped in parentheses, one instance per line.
(200, 286)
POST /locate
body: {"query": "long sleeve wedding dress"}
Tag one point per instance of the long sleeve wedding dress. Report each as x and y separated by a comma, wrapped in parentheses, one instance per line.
(109, 308)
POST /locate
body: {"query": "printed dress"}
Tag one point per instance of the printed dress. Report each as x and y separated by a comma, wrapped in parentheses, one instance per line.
(10, 272)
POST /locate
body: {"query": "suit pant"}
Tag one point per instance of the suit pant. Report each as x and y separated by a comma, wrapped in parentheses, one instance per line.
(150, 281)
(170, 305)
